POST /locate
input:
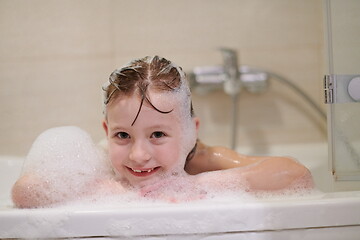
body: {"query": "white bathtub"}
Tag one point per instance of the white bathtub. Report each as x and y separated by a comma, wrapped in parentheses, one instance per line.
(328, 215)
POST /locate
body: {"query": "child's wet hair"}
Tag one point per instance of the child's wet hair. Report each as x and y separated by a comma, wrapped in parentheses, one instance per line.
(154, 73)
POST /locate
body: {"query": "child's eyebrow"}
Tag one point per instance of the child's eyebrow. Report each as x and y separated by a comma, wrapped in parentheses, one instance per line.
(117, 128)
(160, 126)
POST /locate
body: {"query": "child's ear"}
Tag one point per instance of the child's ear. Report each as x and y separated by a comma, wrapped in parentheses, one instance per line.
(105, 126)
(197, 124)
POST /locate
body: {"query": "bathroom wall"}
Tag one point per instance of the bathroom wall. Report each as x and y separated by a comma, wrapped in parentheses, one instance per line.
(55, 55)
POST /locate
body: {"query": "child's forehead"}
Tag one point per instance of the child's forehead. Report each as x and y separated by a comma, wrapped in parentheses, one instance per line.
(164, 98)
(126, 112)
(163, 101)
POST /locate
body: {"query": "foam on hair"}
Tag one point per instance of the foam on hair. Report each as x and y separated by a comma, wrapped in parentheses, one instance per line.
(146, 68)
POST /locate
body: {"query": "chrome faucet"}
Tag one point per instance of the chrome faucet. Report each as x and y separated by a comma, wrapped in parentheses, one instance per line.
(231, 78)
(232, 86)
(232, 83)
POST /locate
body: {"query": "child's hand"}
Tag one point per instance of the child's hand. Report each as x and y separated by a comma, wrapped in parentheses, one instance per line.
(174, 190)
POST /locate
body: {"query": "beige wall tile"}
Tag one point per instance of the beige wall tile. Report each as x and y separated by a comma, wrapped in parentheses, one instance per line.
(55, 55)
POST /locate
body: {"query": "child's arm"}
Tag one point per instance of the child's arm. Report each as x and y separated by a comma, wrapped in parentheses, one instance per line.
(258, 173)
(270, 174)
(208, 158)
(32, 191)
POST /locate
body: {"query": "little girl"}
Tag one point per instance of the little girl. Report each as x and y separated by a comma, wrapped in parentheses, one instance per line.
(152, 143)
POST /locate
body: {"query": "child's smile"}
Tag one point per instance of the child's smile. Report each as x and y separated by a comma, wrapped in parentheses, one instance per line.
(143, 172)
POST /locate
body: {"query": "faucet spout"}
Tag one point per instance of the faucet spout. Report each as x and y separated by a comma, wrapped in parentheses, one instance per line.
(232, 86)
(232, 83)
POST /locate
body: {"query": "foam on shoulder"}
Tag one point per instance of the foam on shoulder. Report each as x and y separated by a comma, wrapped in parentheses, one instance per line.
(66, 162)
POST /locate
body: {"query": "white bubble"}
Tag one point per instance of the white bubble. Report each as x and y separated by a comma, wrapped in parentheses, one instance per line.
(66, 163)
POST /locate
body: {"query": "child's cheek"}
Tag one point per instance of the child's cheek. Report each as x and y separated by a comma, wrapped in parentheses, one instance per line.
(116, 157)
(170, 156)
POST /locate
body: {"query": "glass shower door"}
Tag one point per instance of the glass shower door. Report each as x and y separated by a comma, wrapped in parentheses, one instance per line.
(342, 87)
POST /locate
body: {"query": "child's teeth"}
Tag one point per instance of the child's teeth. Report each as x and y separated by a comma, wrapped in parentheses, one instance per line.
(139, 171)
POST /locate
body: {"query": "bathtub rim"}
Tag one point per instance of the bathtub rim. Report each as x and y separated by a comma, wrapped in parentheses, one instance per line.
(330, 210)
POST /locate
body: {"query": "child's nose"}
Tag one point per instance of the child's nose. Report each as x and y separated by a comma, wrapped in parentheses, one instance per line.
(139, 153)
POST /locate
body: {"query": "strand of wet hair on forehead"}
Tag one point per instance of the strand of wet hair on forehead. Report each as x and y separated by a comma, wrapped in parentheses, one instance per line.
(145, 97)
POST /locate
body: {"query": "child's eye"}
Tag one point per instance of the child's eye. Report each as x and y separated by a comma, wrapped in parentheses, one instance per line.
(157, 134)
(123, 135)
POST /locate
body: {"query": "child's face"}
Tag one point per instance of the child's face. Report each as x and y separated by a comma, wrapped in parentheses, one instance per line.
(150, 149)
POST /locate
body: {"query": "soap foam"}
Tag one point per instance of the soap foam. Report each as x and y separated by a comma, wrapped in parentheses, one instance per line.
(66, 163)
(70, 165)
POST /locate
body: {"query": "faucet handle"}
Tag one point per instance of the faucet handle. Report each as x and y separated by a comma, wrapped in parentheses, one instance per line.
(232, 84)
(230, 62)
